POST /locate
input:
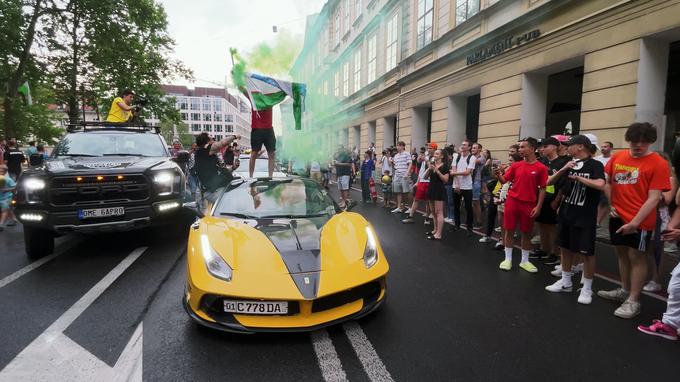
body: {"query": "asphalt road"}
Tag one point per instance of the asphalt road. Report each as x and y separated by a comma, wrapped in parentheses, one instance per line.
(109, 308)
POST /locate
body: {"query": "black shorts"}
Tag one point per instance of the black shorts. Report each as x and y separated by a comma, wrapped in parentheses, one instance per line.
(266, 137)
(579, 240)
(639, 240)
(547, 215)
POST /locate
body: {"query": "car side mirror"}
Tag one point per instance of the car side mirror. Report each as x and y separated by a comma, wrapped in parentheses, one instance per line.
(193, 208)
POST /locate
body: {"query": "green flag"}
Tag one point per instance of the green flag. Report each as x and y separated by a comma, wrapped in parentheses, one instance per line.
(26, 91)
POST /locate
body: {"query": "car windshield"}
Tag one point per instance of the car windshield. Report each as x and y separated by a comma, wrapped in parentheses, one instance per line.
(276, 198)
(261, 165)
(110, 144)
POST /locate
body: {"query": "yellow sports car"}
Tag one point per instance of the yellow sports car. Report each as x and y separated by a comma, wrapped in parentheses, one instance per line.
(278, 255)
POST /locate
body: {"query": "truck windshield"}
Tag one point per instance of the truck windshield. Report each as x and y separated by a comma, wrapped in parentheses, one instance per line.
(110, 144)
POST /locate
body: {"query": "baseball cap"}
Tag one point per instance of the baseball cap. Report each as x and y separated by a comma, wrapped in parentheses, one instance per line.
(579, 140)
(550, 141)
(592, 138)
(433, 145)
(561, 138)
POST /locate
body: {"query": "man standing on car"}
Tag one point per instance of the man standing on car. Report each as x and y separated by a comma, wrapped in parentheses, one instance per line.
(207, 165)
(344, 168)
(121, 107)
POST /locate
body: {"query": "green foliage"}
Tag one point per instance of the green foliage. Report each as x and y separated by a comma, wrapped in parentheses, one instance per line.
(37, 120)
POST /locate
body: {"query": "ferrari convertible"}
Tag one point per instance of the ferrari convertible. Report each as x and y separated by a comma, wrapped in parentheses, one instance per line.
(277, 254)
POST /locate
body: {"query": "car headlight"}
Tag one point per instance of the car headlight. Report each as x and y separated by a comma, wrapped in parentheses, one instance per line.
(166, 182)
(33, 188)
(371, 251)
(214, 262)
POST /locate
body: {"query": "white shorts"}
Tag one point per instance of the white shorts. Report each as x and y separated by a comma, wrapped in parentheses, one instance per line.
(343, 182)
(401, 185)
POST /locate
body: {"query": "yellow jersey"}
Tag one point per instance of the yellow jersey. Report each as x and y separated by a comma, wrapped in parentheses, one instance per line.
(116, 114)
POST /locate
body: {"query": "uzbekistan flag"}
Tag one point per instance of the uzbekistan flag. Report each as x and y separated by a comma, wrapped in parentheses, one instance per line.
(265, 92)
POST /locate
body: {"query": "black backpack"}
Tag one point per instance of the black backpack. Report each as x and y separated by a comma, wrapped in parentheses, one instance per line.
(35, 159)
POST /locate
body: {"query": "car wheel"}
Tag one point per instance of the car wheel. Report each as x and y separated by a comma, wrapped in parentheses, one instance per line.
(39, 242)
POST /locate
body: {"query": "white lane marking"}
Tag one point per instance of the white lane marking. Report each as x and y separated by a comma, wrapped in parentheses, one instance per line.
(36, 264)
(54, 356)
(373, 365)
(329, 362)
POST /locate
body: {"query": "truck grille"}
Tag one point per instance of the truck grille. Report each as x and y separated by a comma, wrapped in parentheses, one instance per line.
(89, 190)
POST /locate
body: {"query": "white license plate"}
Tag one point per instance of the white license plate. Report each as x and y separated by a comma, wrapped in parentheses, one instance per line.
(256, 307)
(101, 212)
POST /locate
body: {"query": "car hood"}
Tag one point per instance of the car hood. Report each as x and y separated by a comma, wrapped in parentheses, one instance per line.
(71, 164)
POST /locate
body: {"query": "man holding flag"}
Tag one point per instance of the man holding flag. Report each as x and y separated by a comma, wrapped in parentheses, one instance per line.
(264, 93)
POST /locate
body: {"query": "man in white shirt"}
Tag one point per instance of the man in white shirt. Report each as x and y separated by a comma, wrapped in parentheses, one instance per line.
(606, 153)
(461, 169)
(401, 183)
(422, 187)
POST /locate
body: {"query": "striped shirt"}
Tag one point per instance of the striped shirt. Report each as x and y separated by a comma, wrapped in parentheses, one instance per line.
(401, 162)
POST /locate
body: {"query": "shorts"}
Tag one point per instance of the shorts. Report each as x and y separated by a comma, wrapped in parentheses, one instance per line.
(343, 182)
(401, 185)
(266, 137)
(518, 211)
(604, 202)
(422, 191)
(4, 204)
(476, 190)
(547, 215)
(639, 240)
(579, 240)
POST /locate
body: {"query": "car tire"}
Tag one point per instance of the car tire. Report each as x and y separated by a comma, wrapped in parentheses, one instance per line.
(39, 242)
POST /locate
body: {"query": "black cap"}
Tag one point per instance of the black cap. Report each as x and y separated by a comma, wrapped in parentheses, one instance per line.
(580, 140)
(550, 141)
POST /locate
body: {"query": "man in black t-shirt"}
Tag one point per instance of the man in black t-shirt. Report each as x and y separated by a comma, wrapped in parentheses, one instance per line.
(344, 169)
(206, 165)
(583, 184)
(547, 218)
(14, 158)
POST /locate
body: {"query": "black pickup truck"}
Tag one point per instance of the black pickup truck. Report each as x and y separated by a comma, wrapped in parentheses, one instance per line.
(99, 178)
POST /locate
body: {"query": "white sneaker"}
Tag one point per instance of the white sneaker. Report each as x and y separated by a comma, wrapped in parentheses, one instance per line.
(427, 221)
(617, 294)
(497, 229)
(557, 272)
(498, 244)
(485, 239)
(578, 268)
(558, 286)
(558, 266)
(652, 286)
(585, 297)
(432, 216)
(408, 211)
(448, 220)
(628, 309)
(536, 240)
(396, 210)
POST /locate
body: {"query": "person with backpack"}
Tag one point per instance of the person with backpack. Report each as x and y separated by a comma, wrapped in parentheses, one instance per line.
(462, 169)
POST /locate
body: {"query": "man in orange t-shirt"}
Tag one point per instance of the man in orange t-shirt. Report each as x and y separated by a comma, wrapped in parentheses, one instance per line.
(635, 180)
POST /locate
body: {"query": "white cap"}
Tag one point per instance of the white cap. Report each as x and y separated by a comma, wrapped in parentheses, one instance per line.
(593, 139)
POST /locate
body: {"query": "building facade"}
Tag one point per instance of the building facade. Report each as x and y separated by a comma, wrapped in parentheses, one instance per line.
(490, 70)
(211, 110)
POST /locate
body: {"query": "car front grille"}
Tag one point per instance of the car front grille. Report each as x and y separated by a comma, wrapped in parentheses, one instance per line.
(89, 190)
(369, 291)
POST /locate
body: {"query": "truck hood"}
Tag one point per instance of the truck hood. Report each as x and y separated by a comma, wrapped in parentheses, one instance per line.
(71, 164)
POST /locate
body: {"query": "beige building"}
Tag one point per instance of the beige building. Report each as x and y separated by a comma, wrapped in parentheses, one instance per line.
(489, 70)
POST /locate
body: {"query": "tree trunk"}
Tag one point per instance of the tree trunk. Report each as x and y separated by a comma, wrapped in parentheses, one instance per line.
(15, 80)
(72, 98)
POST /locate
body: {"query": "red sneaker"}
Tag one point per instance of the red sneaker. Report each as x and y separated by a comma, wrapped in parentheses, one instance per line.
(658, 328)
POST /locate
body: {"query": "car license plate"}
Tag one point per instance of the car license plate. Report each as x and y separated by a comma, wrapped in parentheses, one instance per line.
(101, 212)
(256, 307)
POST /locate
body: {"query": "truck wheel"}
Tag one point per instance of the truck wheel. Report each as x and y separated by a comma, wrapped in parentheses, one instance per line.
(39, 242)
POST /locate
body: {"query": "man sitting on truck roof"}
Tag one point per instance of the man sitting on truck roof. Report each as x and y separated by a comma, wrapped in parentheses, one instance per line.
(121, 107)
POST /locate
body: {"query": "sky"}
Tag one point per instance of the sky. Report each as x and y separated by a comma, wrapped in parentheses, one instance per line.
(204, 30)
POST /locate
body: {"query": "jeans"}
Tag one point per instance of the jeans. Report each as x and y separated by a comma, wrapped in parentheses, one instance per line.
(193, 184)
(365, 191)
(449, 201)
(467, 195)
(672, 315)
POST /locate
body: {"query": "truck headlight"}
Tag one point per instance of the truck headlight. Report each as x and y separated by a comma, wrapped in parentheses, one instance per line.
(371, 251)
(166, 182)
(214, 262)
(33, 189)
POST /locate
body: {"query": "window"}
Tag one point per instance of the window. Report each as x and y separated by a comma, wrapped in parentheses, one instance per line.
(195, 127)
(207, 117)
(336, 26)
(207, 105)
(228, 118)
(392, 40)
(195, 116)
(372, 58)
(218, 128)
(184, 116)
(357, 69)
(217, 104)
(218, 117)
(345, 25)
(345, 79)
(424, 24)
(466, 9)
(182, 103)
(336, 88)
(357, 9)
(195, 104)
(229, 128)
(207, 127)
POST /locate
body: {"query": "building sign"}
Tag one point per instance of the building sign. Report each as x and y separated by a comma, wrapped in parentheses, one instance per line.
(498, 47)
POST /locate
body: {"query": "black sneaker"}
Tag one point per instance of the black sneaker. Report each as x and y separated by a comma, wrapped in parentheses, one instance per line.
(537, 254)
(551, 260)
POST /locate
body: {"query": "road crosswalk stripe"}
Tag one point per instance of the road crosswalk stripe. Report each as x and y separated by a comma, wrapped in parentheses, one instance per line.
(53, 356)
(34, 265)
(373, 365)
(329, 362)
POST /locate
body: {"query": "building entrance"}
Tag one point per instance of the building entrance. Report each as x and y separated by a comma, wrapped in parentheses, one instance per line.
(472, 118)
(563, 106)
(672, 104)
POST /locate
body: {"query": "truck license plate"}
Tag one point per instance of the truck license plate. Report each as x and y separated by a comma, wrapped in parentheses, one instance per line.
(101, 212)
